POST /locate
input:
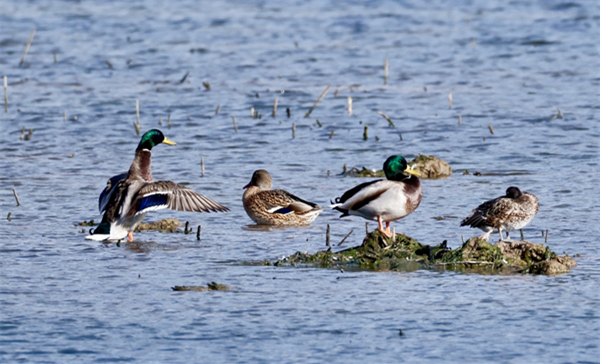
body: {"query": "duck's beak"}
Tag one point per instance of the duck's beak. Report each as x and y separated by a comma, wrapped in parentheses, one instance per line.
(170, 142)
(410, 170)
(246, 186)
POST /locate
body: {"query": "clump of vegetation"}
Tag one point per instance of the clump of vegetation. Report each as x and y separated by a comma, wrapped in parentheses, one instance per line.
(428, 166)
(87, 223)
(167, 225)
(378, 252)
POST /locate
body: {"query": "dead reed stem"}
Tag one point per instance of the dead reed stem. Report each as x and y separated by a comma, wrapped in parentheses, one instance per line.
(19, 202)
(317, 102)
(5, 94)
(386, 71)
(345, 237)
(27, 47)
(349, 105)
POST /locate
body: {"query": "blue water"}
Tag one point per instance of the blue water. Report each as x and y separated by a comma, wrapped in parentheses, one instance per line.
(508, 65)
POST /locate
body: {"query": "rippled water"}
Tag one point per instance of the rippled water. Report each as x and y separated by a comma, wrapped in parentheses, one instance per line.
(508, 65)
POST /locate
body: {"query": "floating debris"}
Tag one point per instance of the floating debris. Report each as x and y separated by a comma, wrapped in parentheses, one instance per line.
(212, 286)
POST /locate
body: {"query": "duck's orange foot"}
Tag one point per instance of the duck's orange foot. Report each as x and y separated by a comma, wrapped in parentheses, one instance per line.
(130, 236)
(386, 233)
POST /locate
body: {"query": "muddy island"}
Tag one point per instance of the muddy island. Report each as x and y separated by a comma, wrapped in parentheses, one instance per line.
(403, 253)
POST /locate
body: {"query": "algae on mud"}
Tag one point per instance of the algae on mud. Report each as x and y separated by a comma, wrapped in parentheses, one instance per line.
(403, 253)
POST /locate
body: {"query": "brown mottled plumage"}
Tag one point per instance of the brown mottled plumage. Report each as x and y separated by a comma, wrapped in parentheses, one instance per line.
(505, 213)
(276, 207)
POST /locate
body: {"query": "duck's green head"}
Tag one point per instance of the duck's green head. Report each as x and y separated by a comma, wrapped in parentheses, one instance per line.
(153, 137)
(396, 168)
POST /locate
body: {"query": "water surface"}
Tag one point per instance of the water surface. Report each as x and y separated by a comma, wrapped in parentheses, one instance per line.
(508, 65)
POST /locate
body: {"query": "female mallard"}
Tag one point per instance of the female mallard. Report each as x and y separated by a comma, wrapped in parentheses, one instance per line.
(129, 196)
(276, 207)
(505, 213)
(384, 199)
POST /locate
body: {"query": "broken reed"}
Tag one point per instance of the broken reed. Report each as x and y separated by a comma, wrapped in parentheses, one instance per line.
(27, 47)
(16, 197)
(391, 123)
(234, 124)
(275, 107)
(202, 165)
(349, 105)
(5, 94)
(136, 124)
(318, 100)
(385, 71)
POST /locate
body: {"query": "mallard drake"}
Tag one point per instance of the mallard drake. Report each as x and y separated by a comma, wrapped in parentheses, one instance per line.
(384, 200)
(129, 196)
(506, 213)
(276, 207)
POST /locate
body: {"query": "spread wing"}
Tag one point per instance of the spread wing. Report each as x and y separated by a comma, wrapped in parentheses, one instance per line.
(166, 194)
(107, 193)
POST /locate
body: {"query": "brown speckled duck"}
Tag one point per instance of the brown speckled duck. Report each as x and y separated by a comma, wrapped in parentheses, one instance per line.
(128, 197)
(384, 200)
(276, 207)
(505, 213)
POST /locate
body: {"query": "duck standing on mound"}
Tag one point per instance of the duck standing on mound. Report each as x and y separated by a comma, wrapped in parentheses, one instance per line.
(129, 196)
(505, 213)
(276, 207)
(384, 200)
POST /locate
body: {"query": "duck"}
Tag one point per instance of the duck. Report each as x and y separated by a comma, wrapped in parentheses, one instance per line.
(507, 213)
(384, 200)
(266, 206)
(128, 197)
